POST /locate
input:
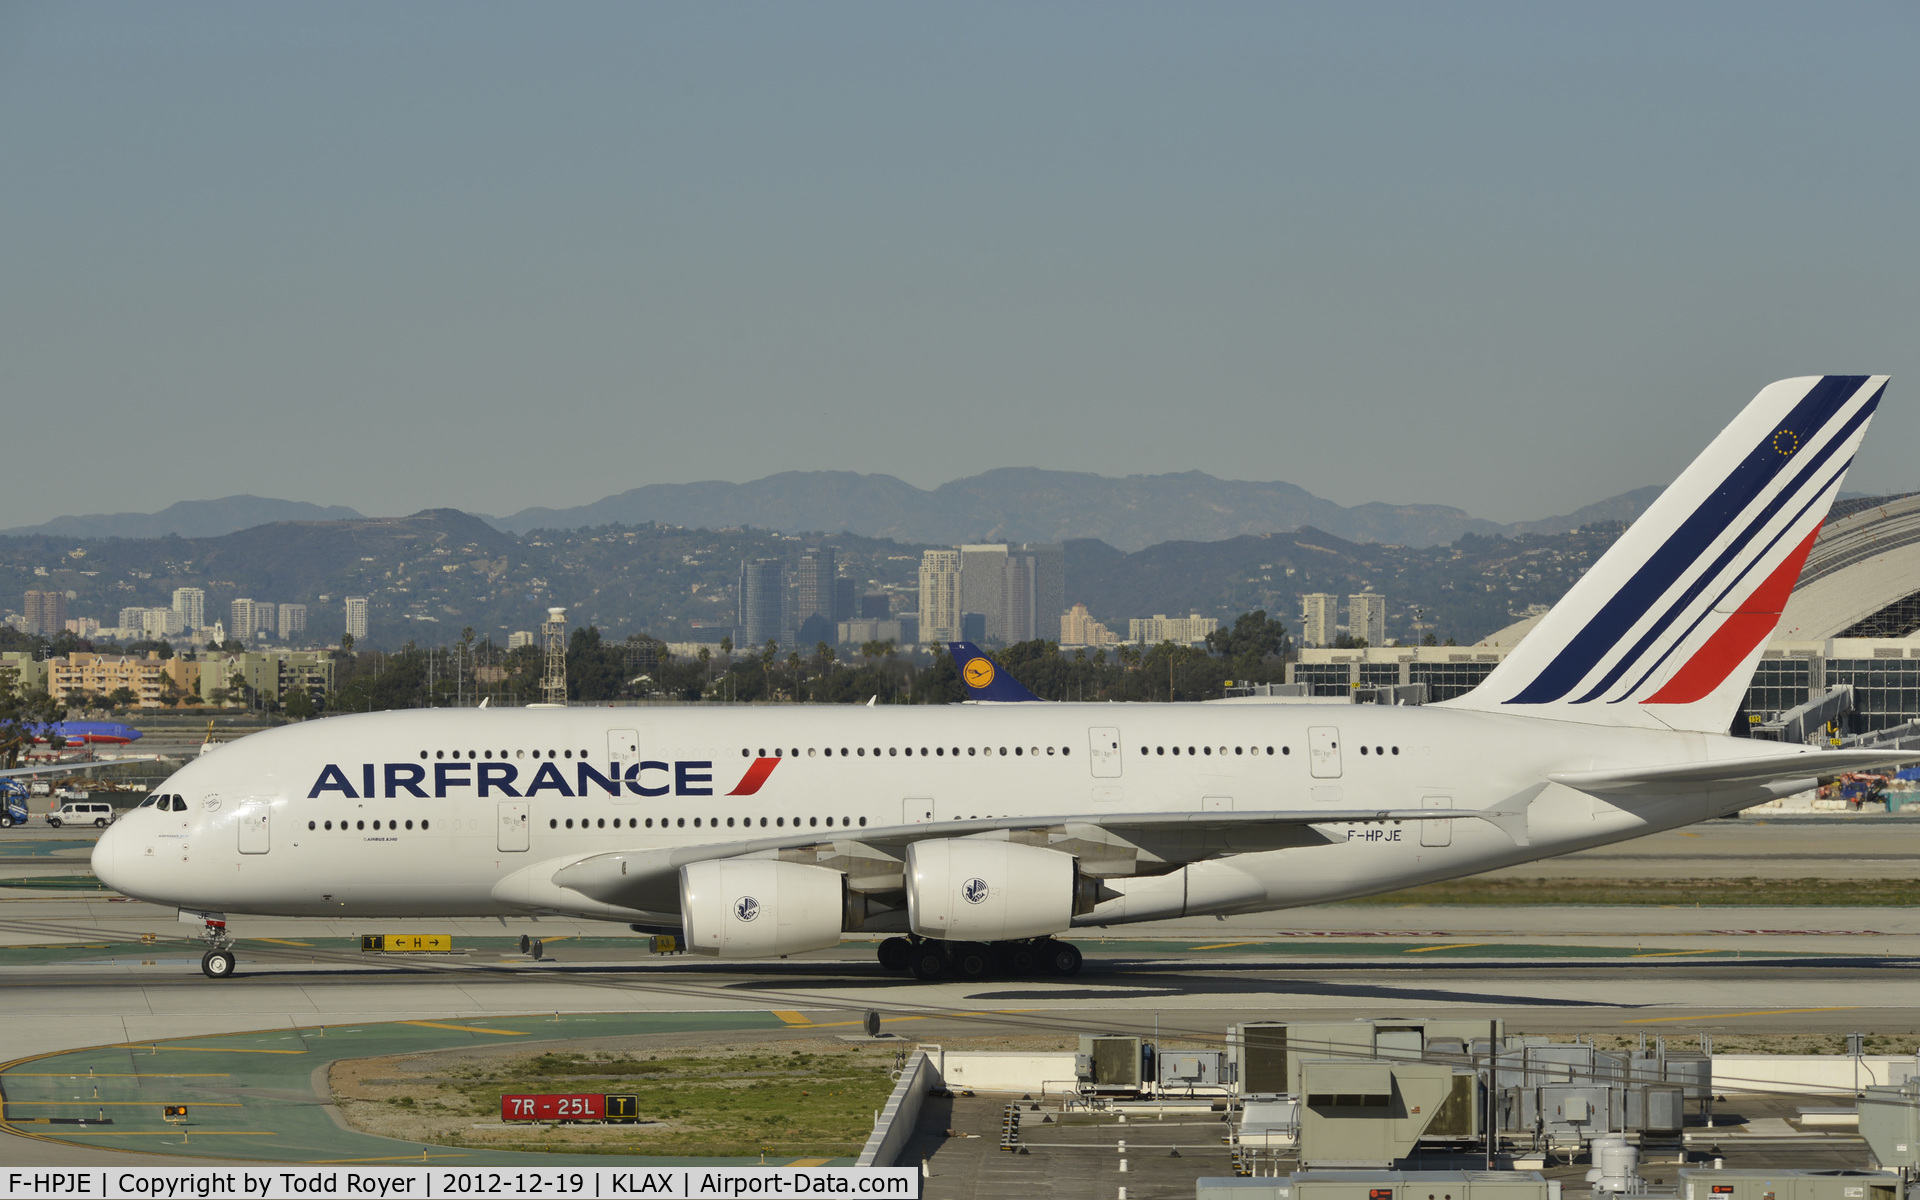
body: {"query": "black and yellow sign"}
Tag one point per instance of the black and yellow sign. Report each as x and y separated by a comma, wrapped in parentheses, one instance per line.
(406, 943)
(623, 1110)
(175, 1112)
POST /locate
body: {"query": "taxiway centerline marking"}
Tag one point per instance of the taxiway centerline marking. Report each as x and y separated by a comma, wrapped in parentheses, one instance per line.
(1765, 1012)
(463, 1028)
(1455, 946)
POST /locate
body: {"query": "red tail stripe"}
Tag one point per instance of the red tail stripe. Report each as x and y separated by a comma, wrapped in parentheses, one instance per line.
(755, 776)
(1745, 628)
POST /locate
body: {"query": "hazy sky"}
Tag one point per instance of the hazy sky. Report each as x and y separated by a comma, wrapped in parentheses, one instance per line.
(1514, 258)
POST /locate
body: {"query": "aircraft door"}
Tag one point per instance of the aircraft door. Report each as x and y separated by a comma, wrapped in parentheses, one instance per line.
(1103, 745)
(1436, 833)
(1323, 751)
(623, 751)
(252, 821)
(513, 825)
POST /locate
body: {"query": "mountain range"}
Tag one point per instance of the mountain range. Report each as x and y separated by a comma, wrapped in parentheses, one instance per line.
(1023, 504)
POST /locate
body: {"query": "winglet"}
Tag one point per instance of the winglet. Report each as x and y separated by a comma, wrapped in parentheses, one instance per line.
(983, 678)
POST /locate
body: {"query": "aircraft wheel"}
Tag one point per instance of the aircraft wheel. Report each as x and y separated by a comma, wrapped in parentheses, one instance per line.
(1060, 958)
(928, 961)
(1019, 958)
(971, 960)
(895, 953)
(217, 964)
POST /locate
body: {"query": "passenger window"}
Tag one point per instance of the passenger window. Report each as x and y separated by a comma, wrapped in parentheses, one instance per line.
(862, 752)
(309, 824)
(553, 823)
(813, 820)
(682, 822)
(329, 826)
(601, 823)
(1016, 752)
(409, 824)
(863, 822)
(696, 822)
(894, 751)
(361, 825)
(780, 822)
(423, 825)
(569, 754)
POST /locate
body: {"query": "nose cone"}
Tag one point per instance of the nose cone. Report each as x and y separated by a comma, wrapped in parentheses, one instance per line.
(106, 865)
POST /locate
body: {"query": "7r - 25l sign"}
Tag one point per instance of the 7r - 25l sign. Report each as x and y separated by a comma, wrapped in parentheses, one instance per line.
(553, 1108)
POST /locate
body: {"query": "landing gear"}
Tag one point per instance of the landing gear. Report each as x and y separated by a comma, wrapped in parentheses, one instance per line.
(929, 959)
(218, 961)
(896, 954)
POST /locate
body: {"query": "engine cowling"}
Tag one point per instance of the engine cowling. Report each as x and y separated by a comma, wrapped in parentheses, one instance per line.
(966, 889)
(759, 908)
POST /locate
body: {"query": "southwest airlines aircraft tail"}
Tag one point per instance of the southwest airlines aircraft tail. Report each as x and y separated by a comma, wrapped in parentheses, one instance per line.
(970, 837)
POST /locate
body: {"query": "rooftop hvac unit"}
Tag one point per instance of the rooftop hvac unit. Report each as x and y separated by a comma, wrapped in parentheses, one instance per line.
(1191, 1068)
(1890, 1123)
(1656, 1108)
(1116, 1061)
(1702, 1183)
(1458, 1117)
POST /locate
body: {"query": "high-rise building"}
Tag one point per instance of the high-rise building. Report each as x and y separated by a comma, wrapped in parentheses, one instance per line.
(843, 599)
(1319, 618)
(1018, 608)
(1367, 617)
(940, 583)
(191, 604)
(357, 617)
(813, 590)
(874, 606)
(45, 612)
(983, 586)
(1078, 628)
(519, 638)
(293, 620)
(1151, 631)
(247, 617)
(1049, 584)
(763, 602)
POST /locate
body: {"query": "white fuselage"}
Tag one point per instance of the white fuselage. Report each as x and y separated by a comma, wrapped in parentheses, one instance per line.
(470, 812)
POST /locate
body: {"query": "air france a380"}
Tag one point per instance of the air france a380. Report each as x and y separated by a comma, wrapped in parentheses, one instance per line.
(974, 836)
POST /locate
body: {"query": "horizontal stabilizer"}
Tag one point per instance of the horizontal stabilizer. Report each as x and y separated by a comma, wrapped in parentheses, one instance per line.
(1734, 772)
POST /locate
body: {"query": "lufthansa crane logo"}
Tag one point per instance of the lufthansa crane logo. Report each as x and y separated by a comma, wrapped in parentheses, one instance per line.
(1785, 443)
(978, 672)
(975, 889)
(746, 908)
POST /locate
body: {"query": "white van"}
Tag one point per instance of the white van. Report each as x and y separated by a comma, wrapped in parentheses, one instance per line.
(85, 812)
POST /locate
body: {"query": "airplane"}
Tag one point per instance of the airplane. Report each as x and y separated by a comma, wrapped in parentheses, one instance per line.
(974, 836)
(983, 679)
(111, 733)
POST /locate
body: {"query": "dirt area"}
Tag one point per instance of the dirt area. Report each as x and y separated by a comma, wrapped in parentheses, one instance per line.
(784, 1098)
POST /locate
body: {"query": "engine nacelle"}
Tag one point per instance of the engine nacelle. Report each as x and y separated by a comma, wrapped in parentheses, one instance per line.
(967, 889)
(759, 908)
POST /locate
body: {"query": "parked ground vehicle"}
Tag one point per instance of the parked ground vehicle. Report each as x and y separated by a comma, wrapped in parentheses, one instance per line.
(13, 803)
(97, 813)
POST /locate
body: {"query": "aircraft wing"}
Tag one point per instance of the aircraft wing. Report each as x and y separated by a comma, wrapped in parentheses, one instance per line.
(1801, 770)
(649, 878)
(85, 764)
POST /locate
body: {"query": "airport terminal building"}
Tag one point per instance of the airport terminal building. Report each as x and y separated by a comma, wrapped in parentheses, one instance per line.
(1854, 620)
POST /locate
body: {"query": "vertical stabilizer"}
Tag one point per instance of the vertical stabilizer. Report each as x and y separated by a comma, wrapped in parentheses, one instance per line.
(1666, 627)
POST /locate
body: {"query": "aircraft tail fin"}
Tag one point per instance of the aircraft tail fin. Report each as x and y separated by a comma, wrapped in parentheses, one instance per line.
(1665, 629)
(983, 678)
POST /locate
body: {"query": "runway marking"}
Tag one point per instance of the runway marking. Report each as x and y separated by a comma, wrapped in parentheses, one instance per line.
(280, 942)
(113, 1075)
(389, 1158)
(169, 1132)
(1455, 946)
(1223, 946)
(125, 1103)
(793, 1018)
(1765, 1012)
(463, 1028)
(1673, 953)
(993, 1012)
(809, 1162)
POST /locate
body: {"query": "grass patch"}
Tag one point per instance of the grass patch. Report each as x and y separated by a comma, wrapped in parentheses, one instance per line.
(1702, 893)
(813, 1102)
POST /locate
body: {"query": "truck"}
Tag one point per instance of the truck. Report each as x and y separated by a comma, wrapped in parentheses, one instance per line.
(13, 803)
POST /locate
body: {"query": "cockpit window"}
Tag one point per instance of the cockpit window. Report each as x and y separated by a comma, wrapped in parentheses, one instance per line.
(148, 802)
(179, 804)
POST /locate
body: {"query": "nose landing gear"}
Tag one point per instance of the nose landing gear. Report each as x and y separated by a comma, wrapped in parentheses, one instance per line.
(218, 961)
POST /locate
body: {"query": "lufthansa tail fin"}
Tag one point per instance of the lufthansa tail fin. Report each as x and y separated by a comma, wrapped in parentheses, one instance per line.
(983, 678)
(1665, 629)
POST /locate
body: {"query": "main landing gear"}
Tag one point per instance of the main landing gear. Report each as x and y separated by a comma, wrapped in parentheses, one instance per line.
(218, 961)
(930, 959)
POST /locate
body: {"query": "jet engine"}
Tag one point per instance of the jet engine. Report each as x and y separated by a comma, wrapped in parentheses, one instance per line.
(759, 908)
(967, 889)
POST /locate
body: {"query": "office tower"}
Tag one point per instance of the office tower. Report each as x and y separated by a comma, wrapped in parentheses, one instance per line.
(813, 587)
(45, 612)
(357, 617)
(191, 604)
(763, 603)
(293, 620)
(941, 579)
(247, 617)
(874, 606)
(844, 603)
(1367, 617)
(983, 586)
(1319, 618)
(1049, 584)
(1017, 599)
